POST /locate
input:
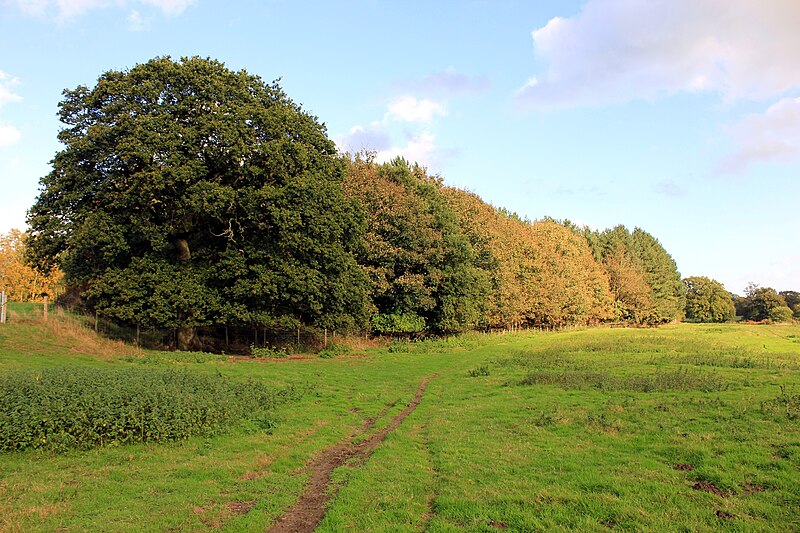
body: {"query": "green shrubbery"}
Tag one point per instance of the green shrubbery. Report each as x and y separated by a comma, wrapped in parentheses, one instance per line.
(261, 352)
(83, 408)
(334, 350)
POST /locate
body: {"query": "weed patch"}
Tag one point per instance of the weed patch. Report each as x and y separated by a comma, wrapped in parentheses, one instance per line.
(83, 408)
(784, 405)
(682, 379)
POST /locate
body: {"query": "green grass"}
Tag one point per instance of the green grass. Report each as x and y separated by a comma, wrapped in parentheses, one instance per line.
(686, 427)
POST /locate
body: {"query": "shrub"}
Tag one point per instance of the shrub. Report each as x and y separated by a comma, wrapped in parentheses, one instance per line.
(480, 371)
(83, 408)
(265, 352)
(334, 350)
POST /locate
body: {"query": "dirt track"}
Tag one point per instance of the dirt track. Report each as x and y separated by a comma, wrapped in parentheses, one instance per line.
(308, 511)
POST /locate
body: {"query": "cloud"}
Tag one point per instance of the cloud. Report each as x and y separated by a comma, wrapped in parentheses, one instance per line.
(7, 84)
(622, 50)
(66, 10)
(448, 82)
(419, 147)
(408, 119)
(136, 22)
(409, 109)
(8, 135)
(772, 136)
(372, 138)
(669, 188)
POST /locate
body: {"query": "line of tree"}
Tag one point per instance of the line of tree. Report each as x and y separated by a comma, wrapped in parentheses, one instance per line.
(189, 195)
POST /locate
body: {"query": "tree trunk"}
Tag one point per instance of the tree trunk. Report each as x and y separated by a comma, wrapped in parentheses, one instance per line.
(188, 340)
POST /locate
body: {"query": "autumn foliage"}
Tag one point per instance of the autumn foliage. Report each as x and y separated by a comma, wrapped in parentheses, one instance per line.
(21, 282)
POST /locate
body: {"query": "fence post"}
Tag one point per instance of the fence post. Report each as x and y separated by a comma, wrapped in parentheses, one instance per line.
(326, 337)
(3, 307)
(46, 300)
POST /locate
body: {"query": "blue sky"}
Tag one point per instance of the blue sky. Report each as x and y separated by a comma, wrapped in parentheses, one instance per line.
(681, 117)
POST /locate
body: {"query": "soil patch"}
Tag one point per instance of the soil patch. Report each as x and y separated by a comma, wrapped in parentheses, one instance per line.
(750, 488)
(309, 510)
(709, 487)
(683, 467)
(240, 508)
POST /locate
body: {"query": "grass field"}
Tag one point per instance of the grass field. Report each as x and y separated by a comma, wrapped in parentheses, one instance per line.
(685, 427)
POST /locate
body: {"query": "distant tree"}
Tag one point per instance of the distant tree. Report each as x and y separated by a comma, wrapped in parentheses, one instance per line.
(707, 300)
(792, 299)
(762, 303)
(21, 282)
(188, 194)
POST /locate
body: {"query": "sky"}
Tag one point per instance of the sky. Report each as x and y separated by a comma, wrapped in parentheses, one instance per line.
(681, 117)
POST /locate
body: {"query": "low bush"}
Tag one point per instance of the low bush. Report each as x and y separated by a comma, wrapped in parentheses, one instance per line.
(334, 350)
(83, 408)
(266, 352)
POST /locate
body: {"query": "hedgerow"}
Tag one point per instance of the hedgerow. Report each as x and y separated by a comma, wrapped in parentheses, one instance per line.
(83, 408)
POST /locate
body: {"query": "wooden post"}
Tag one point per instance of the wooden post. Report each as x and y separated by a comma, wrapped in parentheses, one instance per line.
(298, 336)
(96, 318)
(46, 299)
(3, 307)
(326, 338)
(226, 336)
(137, 334)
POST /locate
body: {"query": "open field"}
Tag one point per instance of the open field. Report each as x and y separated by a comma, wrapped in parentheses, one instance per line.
(684, 427)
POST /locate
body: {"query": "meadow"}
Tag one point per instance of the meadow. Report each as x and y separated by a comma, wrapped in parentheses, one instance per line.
(684, 427)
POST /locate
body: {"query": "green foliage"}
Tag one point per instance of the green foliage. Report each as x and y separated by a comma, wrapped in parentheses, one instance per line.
(707, 300)
(784, 405)
(396, 323)
(187, 194)
(681, 379)
(422, 270)
(268, 352)
(762, 302)
(65, 408)
(781, 314)
(334, 350)
(479, 371)
(644, 278)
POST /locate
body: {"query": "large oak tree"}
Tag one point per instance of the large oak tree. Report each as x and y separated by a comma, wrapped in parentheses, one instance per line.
(187, 194)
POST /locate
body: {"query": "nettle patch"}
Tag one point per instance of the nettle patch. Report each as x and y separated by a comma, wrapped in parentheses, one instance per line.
(84, 408)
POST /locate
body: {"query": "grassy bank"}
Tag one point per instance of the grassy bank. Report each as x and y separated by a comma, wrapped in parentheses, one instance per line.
(690, 427)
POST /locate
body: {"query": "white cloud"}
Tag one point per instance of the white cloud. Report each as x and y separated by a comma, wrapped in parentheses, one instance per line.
(409, 109)
(372, 138)
(136, 22)
(620, 50)
(170, 8)
(669, 188)
(419, 148)
(7, 84)
(770, 136)
(69, 9)
(8, 135)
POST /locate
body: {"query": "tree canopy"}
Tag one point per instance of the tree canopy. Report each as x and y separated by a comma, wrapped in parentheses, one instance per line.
(707, 300)
(21, 282)
(188, 194)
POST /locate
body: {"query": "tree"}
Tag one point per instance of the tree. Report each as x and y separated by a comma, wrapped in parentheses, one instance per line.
(792, 299)
(707, 300)
(422, 269)
(763, 304)
(644, 278)
(188, 194)
(21, 282)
